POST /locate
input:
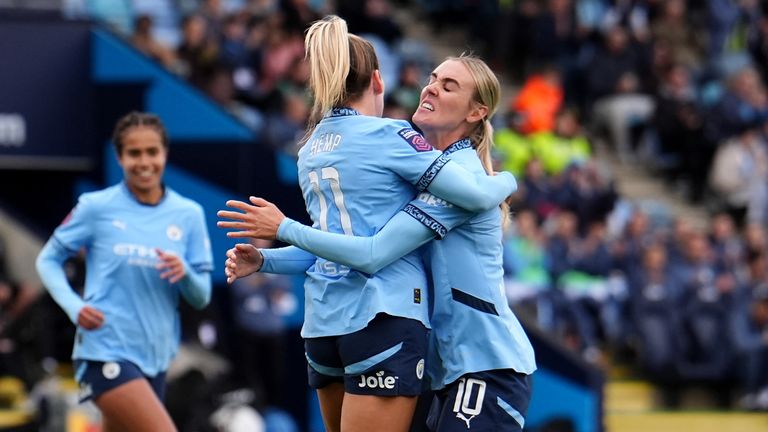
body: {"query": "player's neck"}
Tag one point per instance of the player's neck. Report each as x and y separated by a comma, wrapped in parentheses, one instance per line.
(147, 196)
(365, 105)
(441, 140)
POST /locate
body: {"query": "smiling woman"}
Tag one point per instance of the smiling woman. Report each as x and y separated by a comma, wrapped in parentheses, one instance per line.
(145, 246)
(142, 150)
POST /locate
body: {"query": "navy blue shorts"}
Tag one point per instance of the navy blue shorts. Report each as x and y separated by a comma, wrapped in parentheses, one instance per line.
(384, 359)
(96, 378)
(494, 400)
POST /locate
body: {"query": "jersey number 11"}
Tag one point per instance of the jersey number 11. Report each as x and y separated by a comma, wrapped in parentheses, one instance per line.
(332, 176)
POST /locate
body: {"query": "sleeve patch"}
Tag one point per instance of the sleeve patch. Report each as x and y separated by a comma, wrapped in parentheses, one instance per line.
(426, 220)
(415, 140)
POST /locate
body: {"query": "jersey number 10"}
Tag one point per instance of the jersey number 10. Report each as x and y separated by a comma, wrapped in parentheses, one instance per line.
(332, 176)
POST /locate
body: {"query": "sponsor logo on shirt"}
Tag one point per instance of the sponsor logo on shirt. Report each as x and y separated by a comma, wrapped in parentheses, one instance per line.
(414, 139)
(129, 249)
(137, 254)
(432, 200)
(378, 381)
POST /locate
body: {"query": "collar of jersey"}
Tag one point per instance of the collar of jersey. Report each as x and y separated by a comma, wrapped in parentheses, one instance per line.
(343, 111)
(458, 145)
(130, 194)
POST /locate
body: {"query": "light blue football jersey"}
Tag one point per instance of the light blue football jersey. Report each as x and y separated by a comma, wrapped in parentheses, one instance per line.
(473, 327)
(355, 173)
(141, 320)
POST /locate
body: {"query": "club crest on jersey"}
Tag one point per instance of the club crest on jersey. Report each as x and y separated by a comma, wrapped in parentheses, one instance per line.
(173, 232)
(414, 139)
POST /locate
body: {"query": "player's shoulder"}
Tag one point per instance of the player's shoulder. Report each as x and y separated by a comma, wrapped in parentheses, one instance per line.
(101, 196)
(381, 126)
(181, 202)
(401, 134)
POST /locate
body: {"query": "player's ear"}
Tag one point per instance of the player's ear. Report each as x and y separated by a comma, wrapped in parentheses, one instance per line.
(377, 82)
(477, 113)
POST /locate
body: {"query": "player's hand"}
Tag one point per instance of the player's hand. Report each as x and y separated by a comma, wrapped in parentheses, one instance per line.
(90, 318)
(171, 267)
(260, 219)
(242, 260)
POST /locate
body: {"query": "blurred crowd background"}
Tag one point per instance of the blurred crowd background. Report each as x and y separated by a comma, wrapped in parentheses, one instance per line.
(676, 87)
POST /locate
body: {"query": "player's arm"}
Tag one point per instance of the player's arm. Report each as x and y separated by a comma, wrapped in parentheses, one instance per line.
(262, 219)
(409, 155)
(50, 268)
(195, 285)
(245, 259)
(473, 192)
(74, 233)
(192, 272)
(400, 235)
(422, 220)
(286, 260)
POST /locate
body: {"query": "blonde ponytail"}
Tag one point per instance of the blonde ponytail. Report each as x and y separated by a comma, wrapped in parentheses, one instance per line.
(483, 141)
(340, 67)
(327, 49)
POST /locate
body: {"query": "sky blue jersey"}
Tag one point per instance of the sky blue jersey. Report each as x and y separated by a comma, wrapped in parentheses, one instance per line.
(120, 234)
(474, 328)
(355, 173)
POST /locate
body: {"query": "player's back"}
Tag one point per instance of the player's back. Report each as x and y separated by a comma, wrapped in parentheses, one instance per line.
(355, 175)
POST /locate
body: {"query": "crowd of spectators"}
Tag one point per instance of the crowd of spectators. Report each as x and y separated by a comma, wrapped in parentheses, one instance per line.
(247, 55)
(676, 86)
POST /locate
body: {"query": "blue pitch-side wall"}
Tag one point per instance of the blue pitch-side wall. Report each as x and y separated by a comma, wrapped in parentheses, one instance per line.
(556, 397)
